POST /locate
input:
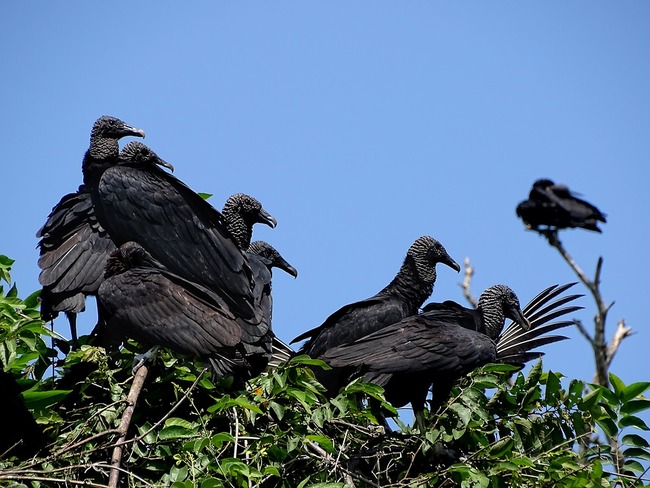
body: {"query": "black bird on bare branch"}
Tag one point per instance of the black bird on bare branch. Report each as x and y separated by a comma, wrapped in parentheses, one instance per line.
(551, 207)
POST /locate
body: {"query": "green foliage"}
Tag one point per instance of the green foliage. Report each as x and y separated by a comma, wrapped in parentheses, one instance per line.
(500, 428)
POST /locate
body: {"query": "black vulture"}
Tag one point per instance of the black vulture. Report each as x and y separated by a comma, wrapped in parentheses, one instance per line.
(136, 200)
(240, 213)
(555, 207)
(143, 300)
(263, 258)
(448, 340)
(402, 297)
(73, 246)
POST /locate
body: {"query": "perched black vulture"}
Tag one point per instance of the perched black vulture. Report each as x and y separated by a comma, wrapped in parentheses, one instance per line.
(556, 207)
(263, 258)
(73, 246)
(448, 340)
(143, 300)
(401, 298)
(136, 200)
(240, 213)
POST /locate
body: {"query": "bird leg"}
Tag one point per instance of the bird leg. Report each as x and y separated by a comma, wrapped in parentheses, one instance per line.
(72, 320)
(140, 359)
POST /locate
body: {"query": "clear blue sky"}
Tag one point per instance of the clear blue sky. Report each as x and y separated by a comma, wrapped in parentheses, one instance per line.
(360, 126)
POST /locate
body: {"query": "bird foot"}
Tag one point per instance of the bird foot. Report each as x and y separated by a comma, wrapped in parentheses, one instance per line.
(140, 359)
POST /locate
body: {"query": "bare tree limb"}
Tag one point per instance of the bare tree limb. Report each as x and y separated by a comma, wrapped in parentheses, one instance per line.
(598, 341)
(467, 282)
(622, 331)
(131, 399)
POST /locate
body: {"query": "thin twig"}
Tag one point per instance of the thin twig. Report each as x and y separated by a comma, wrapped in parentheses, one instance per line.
(63, 481)
(584, 332)
(622, 331)
(131, 399)
(467, 282)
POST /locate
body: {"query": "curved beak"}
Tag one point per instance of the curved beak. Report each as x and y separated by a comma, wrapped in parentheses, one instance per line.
(282, 264)
(515, 313)
(162, 162)
(132, 131)
(450, 262)
(266, 218)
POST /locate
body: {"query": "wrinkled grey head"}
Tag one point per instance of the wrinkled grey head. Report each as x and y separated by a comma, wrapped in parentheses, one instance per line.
(498, 303)
(267, 251)
(249, 209)
(108, 127)
(138, 153)
(128, 256)
(426, 252)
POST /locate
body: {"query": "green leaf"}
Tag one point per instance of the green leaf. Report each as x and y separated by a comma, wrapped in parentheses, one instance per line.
(635, 406)
(176, 428)
(305, 360)
(619, 386)
(632, 421)
(322, 441)
(634, 390)
(205, 196)
(608, 426)
(42, 400)
(502, 447)
(553, 389)
(211, 483)
(463, 413)
(635, 441)
(636, 453)
(634, 466)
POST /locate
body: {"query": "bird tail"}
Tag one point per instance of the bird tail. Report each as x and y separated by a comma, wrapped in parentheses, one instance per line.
(281, 353)
(515, 345)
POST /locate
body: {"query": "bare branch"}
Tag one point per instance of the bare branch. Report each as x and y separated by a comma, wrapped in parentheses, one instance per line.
(598, 342)
(131, 399)
(622, 331)
(467, 282)
(584, 331)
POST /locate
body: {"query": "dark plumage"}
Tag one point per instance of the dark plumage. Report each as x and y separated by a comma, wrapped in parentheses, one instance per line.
(263, 258)
(21, 435)
(136, 200)
(401, 298)
(447, 340)
(73, 246)
(556, 207)
(143, 300)
(240, 213)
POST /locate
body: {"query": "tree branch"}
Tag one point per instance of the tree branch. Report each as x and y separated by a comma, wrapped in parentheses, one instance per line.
(467, 282)
(131, 399)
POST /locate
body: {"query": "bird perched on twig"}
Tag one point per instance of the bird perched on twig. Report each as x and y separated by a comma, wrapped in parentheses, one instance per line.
(554, 206)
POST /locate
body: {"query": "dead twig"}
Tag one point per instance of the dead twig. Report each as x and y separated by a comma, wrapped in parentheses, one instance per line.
(467, 282)
(131, 399)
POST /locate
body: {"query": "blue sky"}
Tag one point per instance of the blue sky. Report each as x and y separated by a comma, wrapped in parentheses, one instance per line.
(360, 126)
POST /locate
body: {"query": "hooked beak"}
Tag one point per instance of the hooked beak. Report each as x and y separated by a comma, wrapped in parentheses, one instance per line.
(517, 315)
(132, 131)
(162, 162)
(266, 218)
(451, 263)
(288, 268)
